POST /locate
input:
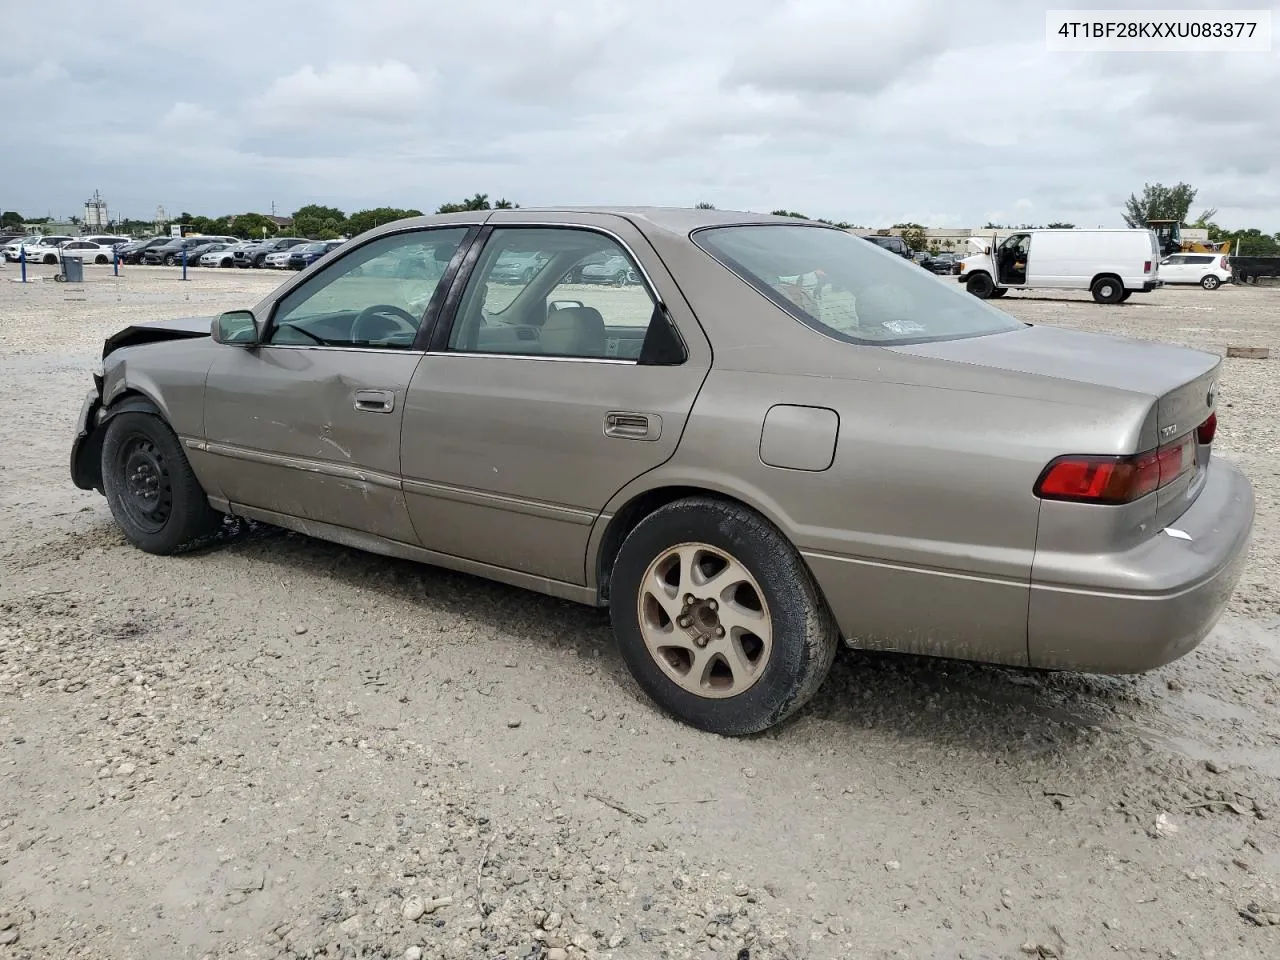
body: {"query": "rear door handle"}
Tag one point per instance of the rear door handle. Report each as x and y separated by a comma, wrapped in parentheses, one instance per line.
(623, 425)
(375, 401)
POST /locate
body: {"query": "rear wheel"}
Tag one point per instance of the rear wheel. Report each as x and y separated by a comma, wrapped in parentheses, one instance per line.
(718, 618)
(980, 285)
(151, 490)
(100, 259)
(1210, 282)
(1107, 290)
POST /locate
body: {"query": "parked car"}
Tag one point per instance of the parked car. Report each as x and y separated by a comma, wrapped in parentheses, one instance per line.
(893, 245)
(86, 250)
(107, 240)
(1110, 264)
(38, 249)
(303, 255)
(746, 472)
(170, 254)
(616, 270)
(13, 248)
(279, 259)
(941, 263)
(133, 251)
(47, 251)
(256, 255)
(517, 267)
(224, 256)
(1209, 270)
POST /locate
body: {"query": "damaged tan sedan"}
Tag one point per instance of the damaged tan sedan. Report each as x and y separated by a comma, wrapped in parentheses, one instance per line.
(770, 437)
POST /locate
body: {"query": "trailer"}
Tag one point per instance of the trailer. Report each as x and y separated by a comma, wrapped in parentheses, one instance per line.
(1253, 269)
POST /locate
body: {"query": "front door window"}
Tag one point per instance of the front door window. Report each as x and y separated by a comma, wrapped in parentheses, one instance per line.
(376, 296)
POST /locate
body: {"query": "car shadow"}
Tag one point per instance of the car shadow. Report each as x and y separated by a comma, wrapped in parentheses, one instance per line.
(983, 707)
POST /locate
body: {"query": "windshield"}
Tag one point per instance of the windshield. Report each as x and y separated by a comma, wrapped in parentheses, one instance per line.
(849, 289)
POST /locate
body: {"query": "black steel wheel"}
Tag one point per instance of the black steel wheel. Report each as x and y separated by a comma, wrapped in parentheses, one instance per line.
(153, 494)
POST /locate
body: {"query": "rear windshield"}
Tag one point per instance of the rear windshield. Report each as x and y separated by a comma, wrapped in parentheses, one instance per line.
(849, 289)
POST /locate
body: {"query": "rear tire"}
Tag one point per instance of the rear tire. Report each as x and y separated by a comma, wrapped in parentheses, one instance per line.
(150, 487)
(980, 285)
(1107, 290)
(1210, 282)
(730, 563)
(100, 259)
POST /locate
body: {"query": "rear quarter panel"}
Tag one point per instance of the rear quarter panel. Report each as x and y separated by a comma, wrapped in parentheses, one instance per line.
(922, 531)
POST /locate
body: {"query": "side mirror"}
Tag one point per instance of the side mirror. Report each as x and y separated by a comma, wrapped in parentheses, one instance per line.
(235, 327)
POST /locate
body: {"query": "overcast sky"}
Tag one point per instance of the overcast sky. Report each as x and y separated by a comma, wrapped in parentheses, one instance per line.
(947, 113)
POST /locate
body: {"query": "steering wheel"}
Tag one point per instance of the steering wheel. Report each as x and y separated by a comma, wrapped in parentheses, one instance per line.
(393, 320)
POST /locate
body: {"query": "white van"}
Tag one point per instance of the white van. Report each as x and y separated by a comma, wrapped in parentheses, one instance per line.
(1111, 264)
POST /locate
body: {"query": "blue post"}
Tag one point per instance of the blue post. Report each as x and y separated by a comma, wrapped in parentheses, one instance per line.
(22, 259)
(115, 261)
(184, 263)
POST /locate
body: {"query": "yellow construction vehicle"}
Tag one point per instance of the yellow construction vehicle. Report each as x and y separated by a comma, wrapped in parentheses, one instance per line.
(1169, 235)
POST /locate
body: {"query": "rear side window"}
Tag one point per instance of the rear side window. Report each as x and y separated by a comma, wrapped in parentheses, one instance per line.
(845, 288)
(1199, 259)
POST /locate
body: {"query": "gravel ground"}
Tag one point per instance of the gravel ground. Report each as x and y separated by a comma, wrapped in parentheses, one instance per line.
(283, 748)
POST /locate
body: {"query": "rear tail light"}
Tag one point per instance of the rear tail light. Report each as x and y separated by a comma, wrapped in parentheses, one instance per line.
(1225, 265)
(1111, 479)
(1207, 430)
(1146, 266)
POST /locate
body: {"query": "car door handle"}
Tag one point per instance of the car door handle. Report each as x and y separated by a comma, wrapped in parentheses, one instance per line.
(375, 401)
(622, 425)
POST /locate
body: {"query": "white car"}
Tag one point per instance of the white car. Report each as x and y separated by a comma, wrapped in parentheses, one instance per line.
(86, 250)
(12, 251)
(1210, 270)
(278, 260)
(222, 258)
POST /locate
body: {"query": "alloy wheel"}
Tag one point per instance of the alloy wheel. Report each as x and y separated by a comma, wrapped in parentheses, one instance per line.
(704, 620)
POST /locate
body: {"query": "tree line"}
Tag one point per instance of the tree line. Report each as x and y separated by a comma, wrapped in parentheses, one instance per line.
(319, 222)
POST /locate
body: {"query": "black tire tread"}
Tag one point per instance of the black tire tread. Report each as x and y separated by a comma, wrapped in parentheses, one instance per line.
(818, 634)
(193, 522)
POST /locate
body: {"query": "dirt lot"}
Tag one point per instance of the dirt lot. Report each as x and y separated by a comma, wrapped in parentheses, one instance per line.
(283, 748)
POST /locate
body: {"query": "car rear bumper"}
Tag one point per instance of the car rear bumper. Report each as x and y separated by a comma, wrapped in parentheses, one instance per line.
(1152, 604)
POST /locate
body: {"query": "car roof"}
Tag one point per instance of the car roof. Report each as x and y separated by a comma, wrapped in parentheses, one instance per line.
(680, 221)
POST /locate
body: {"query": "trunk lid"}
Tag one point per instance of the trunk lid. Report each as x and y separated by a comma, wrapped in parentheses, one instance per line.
(1182, 383)
(1177, 378)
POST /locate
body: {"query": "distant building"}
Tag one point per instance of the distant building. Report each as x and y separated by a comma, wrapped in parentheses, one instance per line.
(95, 213)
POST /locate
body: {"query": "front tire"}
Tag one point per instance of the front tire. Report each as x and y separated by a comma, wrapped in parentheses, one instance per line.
(980, 285)
(718, 618)
(150, 487)
(1210, 282)
(1107, 290)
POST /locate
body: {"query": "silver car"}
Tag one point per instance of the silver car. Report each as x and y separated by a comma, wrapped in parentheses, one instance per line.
(781, 439)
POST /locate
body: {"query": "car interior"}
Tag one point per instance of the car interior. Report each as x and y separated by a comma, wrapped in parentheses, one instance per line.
(535, 322)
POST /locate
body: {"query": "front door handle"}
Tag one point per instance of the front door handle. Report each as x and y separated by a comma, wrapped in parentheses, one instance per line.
(375, 401)
(623, 425)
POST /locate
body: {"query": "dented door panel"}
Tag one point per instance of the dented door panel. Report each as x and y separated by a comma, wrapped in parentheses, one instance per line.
(292, 429)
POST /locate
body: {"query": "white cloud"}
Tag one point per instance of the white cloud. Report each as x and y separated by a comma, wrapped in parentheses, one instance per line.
(920, 110)
(385, 91)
